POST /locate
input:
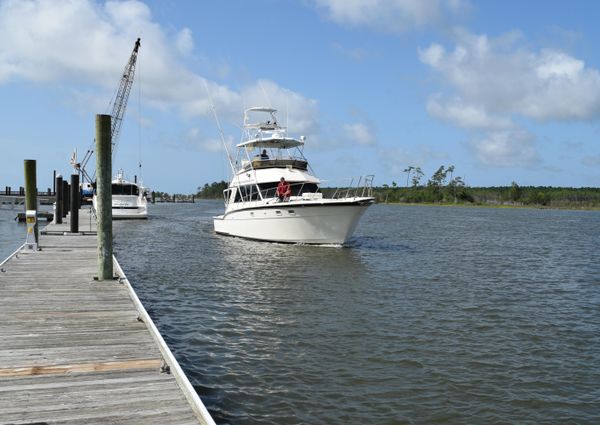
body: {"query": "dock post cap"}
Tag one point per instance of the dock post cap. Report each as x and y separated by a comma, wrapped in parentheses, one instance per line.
(31, 219)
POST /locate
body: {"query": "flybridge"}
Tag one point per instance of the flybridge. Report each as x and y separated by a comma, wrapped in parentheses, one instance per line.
(272, 143)
(266, 134)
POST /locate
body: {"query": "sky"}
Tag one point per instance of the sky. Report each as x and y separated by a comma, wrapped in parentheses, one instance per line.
(505, 91)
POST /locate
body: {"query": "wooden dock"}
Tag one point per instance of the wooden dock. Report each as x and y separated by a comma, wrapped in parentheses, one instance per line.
(75, 350)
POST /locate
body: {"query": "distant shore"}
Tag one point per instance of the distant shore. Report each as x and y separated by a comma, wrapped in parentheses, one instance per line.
(514, 196)
(494, 206)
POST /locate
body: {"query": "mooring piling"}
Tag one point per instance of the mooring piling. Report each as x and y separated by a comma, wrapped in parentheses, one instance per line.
(31, 191)
(74, 203)
(59, 199)
(104, 196)
(65, 191)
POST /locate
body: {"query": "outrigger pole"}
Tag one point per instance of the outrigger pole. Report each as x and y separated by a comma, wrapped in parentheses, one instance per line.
(221, 134)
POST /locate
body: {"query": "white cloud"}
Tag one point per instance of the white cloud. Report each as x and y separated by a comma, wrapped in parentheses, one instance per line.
(296, 112)
(432, 55)
(185, 41)
(497, 77)
(397, 159)
(492, 83)
(395, 16)
(466, 115)
(197, 140)
(510, 148)
(360, 133)
(88, 43)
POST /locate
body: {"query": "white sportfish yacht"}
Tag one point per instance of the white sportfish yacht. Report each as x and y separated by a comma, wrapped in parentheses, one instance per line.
(128, 199)
(254, 211)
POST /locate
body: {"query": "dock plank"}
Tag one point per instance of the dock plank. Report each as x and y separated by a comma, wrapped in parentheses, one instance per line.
(77, 351)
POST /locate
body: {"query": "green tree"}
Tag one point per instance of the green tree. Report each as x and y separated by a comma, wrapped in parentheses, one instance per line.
(407, 171)
(435, 184)
(417, 175)
(515, 192)
(439, 177)
(212, 191)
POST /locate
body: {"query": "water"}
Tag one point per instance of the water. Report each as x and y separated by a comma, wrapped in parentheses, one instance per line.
(12, 234)
(432, 315)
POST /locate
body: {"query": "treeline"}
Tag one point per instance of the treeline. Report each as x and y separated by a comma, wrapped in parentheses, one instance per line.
(515, 195)
(444, 188)
(175, 197)
(212, 191)
(208, 191)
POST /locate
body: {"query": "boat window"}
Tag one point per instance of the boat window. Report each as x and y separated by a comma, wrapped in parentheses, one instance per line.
(125, 189)
(269, 189)
(247, 193)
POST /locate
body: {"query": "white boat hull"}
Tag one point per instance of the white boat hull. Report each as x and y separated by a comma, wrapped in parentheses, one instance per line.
(127, 207)
(295, 222)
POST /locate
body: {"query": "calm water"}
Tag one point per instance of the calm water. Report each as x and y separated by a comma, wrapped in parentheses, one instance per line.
(432, 315)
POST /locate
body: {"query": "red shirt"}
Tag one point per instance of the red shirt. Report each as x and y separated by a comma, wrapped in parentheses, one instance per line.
(283, 189)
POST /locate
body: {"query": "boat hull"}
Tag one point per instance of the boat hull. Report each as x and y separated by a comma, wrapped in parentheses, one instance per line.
(305, 223)
(127, 207)
(129, 213)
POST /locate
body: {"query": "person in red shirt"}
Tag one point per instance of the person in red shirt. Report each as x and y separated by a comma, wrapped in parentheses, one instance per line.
(283, 190)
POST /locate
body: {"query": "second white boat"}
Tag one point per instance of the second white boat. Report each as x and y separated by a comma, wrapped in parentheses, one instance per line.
(129, 199)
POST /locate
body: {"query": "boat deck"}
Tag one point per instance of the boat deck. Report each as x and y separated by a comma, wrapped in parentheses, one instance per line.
(78, 351)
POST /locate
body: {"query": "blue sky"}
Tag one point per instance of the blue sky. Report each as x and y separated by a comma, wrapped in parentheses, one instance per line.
(504, 91)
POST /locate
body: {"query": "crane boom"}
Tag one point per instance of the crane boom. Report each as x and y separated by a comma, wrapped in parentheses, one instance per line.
(118, 112)
(122, 96)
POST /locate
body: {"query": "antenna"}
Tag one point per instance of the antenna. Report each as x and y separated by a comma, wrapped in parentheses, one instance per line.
(214, 112)
(265, 94)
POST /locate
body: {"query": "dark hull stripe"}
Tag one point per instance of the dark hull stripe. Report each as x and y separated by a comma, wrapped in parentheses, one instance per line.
(272, 241)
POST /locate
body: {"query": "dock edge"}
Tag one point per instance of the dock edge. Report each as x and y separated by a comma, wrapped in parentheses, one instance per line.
(182, 380)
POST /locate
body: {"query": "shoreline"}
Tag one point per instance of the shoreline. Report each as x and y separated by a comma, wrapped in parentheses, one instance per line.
(495, 206)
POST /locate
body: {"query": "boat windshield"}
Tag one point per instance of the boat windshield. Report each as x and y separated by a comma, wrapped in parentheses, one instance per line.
(125, 189)
(249, 192)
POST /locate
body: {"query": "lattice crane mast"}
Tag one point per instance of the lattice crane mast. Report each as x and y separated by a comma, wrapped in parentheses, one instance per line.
(118, 110)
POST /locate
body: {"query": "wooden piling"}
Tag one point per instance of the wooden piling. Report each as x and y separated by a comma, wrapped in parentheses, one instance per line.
(104, 196)
(59, 199)
(74, 203)
(31, 191)
(65, 190)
